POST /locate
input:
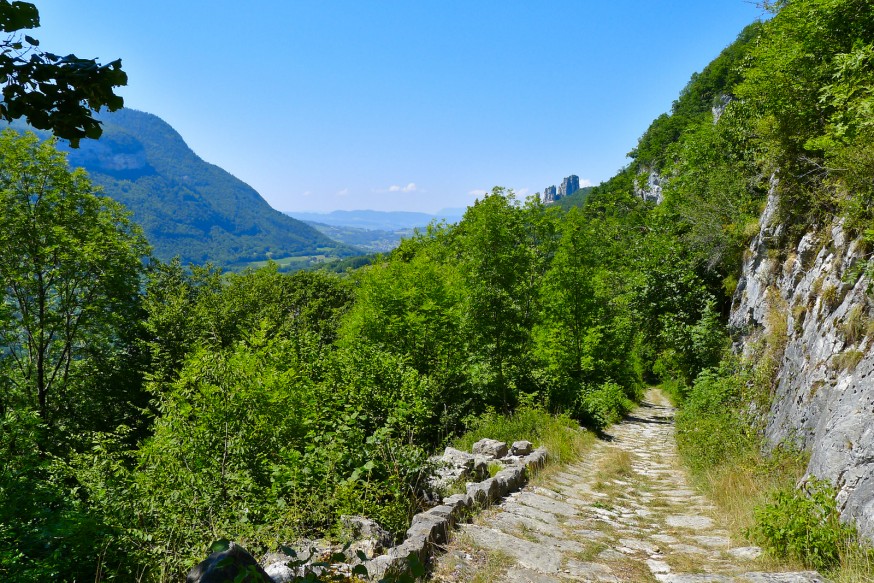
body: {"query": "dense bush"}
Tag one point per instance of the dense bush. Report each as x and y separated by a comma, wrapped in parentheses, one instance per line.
(804, 524)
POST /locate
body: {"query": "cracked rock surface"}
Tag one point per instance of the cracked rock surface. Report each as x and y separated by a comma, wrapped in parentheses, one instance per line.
(627, 512)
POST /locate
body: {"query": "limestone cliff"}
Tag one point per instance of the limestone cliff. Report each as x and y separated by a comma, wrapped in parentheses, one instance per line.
(813, 297)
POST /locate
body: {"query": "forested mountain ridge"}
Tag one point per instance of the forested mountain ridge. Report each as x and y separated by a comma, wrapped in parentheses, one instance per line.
(188, 207)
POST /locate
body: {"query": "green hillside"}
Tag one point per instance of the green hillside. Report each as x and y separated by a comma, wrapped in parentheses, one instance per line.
(188, 207)
(576, 199)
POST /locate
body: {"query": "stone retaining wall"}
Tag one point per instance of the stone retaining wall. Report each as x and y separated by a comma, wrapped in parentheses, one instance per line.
(431, 528)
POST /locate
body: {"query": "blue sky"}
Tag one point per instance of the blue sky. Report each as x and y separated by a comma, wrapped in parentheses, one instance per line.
(393, 105)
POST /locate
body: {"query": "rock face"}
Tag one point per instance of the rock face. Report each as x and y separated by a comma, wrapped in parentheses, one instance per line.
(824, 400)
(549, 194)
(652, 190)
(719, 107)
(569, 185)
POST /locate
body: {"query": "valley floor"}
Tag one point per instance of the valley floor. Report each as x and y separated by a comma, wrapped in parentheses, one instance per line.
(625, 513)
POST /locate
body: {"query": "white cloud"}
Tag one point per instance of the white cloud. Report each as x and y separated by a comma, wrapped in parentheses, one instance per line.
(411, 187)
(522, 193)
(585, 182)
(478, 193)
(343, 192)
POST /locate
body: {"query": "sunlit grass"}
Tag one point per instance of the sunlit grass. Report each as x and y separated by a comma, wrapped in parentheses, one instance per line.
(562, 437)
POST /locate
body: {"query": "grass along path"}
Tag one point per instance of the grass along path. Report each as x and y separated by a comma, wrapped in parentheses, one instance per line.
(624, 513)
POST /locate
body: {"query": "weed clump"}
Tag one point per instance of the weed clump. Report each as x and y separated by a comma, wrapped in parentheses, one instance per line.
(804, 524)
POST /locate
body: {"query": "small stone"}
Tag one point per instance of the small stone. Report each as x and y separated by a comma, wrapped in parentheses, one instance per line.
(688, 549)
(713, 542)
(748, 553)
(796, 577)
(657, 567)
(694, 522)
(610, 555)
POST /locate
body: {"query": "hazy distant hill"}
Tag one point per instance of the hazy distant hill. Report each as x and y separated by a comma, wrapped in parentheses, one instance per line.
(189, 207)
(367, 240)
(379, 220)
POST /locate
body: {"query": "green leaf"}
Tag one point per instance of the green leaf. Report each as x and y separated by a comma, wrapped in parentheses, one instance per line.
(220, 545)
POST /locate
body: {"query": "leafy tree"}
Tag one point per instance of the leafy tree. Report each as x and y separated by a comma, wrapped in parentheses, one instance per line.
(52, 92)
(70, 273)
(201, 307)
(70, 267)
(808, 89)
(572, 320)
(495, 266)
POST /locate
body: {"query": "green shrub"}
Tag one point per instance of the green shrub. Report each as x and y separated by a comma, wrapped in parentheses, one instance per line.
(711, 428)
(676, 390)
(804, 524)
(605, 404)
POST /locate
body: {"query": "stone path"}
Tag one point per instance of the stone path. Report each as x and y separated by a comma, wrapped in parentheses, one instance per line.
(625, 513)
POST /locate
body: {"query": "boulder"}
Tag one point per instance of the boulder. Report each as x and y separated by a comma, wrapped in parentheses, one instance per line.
(536, 459)
(521, 448)
(480, 468)
(282, 573)
(366, 535)
(478, 493)
(491, 448)
(456, 458)
(233, 564)
(459, 501)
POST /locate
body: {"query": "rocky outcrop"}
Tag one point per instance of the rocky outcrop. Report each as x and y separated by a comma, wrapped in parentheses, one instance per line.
(815, 299)
(719, 107)
(569, 185)
(651, 190)
(549, 194)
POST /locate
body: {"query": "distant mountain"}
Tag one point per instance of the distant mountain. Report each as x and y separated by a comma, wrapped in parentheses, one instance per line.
(379, 220)
(188, 207)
